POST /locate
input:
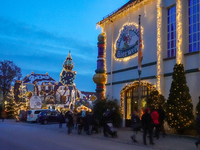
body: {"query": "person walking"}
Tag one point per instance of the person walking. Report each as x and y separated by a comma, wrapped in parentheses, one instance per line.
(66, 117)
(75, 115)
(61, 119)
(136, 125)
(79, 123)
(88, 122)
(198, 128)
(147, 126)
(70, 122)
(156, 123)
(105, 119)
(162, 116)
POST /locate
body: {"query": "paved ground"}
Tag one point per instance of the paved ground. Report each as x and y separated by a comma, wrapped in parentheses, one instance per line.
(170, 142)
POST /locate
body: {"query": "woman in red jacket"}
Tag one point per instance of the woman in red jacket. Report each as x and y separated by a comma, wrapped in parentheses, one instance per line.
(156, 123)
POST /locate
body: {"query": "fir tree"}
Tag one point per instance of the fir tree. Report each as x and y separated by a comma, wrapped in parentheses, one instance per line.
(10, 107)
(179, 107)
(155, 100)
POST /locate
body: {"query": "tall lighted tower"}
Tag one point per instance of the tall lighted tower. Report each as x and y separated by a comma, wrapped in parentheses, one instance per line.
(100, 76)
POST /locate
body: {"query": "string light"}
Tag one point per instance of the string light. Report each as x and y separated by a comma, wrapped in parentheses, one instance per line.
(159, 25)
(179, 32)
(115, 48)
(133, 84)
(122, 13)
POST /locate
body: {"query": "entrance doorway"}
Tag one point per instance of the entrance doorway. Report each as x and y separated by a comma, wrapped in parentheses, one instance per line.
(131, 96)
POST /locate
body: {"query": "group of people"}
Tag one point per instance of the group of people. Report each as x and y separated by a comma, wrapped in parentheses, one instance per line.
(85, 121)
(151, 120)
(78, 121)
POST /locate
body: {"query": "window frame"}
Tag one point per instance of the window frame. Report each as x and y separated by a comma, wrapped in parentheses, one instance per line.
(171, 31)
(193, 23)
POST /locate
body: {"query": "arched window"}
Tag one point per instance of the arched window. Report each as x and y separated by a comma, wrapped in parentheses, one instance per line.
(131, 99)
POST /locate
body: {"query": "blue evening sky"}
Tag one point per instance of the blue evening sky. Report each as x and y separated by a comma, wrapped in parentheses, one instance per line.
(37, 35)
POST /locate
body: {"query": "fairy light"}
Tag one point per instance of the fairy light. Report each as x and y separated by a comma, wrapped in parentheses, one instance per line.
(179, 32)
(105, 67)
(122, 13)
(127, 87)
(159, 21)
(134, 55)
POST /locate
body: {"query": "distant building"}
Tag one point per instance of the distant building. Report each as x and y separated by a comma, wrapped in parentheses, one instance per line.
(60, 94)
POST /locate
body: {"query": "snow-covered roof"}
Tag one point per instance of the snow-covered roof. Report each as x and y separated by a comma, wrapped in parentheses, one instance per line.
(39, 78)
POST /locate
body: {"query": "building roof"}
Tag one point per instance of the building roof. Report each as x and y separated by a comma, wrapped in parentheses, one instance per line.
(119, 10)
(39, 78)
(87, 94)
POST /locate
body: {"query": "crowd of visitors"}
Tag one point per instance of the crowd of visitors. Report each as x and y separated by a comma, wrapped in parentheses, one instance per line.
(85, 121)
(151, 120)
(78, 121)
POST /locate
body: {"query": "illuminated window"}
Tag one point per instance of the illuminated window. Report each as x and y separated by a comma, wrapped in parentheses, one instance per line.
(171, 32)
(132, 99)
(194, 33)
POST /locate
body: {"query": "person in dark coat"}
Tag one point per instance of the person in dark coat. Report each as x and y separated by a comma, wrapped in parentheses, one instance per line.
(162, 116)
(75, 119)
(135, 123)
(147, 126)
(79, 122)
(70, 122)
(66, 117)
(88, 123)
(198, 128)
(105, 119)
(61, 119)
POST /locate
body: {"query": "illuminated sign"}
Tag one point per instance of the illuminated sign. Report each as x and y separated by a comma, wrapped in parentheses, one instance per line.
(127, 41)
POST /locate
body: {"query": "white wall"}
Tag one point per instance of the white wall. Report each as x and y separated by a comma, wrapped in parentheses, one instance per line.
(149, 23)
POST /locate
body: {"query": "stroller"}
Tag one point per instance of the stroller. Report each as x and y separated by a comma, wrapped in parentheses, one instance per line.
(111, 130)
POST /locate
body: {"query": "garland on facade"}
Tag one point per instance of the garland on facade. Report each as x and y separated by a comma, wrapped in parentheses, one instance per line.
(133, 84)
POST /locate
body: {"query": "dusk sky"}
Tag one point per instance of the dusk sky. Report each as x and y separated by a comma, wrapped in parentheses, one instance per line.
(37, 35)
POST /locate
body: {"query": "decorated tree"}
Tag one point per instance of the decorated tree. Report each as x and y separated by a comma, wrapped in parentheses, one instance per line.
(101, 106)
(12, 107)
(155, 100)
(179, 107)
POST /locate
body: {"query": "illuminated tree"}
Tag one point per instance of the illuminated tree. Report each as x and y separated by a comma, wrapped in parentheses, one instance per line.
(12, 107)
(155, 100)
(179, 107)
(101, 106)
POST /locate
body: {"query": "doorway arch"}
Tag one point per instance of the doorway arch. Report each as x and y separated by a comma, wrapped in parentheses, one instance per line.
(129, 98)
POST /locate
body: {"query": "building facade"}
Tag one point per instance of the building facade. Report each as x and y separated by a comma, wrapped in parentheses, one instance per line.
(170, 34)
